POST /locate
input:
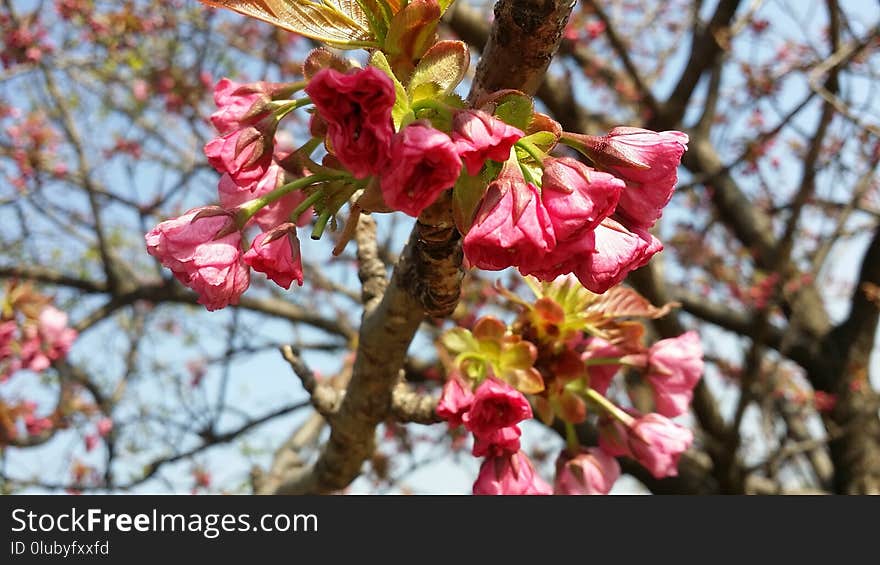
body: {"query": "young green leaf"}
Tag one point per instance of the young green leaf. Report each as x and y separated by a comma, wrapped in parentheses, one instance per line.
(401, 102)
(443, 66)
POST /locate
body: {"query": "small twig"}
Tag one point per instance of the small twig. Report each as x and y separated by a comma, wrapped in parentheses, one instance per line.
(324, 398)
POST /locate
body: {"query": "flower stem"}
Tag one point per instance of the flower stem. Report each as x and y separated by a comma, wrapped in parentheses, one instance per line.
(248, 209)
(289, 106)
(321, 224)
(532, 150)
(609, 407)
(442, 109)
(304, 205)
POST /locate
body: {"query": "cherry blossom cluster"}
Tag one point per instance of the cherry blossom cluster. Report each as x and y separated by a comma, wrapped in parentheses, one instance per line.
(569, 217)
(492, 414)
(33, 333)
(390, 147)
(559, 358)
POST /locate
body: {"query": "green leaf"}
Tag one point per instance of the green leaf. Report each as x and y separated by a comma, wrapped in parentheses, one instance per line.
(543, 140)
(466, 197)
(443, 66)
(459, 340)
(341, 23)
(401, 101)
(516, 109)
(519, 355)
(411, 31)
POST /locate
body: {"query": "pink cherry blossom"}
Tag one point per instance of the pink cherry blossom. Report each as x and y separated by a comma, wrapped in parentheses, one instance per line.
(496, 405)
(91, 441)
(647, 161)
(479, 136)
(57, 338)
(576, 196)
(245, 154)
(613, 437)
(210, 266)
(279, 258)
(674, 367)
(657, 443)
(31, 351)
(511, 474)
(356, 107)
(7, 335)
(498, 443)
(600, 258)
(592, 471)
(424, 163)
(617, 251)
(512, 227)
(105, 426)
(36, 426)
(234, 101)
(455, 401)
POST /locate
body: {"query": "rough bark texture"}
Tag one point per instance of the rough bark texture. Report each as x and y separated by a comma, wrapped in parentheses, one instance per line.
(856, 450)
(523, 39)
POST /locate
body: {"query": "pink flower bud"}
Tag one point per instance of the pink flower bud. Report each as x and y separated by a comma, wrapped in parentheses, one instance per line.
(577, 197)
(455, 401)
(496, 405)
(424, 163)
(277, 255)
(613, 437)
(479, 136)
(245, 154)
(211, 267)
(356, 107)
(91, 441)
(674, 368)
(599, 259)
(234, 101)
(512, 228)
(592, 471)
(105, 426)
(56, 338)
(31, 352)
(617, 252)
(646, 160)
(657, 443)
(511, 474)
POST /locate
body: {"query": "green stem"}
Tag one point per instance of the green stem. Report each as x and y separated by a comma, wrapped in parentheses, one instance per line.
(248, 209)
(321, 224)
(444, 110)
(609, 407)
(532, 150)
(296, 87)
(290, 106)
(309, 146)
(304, 205)
(603, 361)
